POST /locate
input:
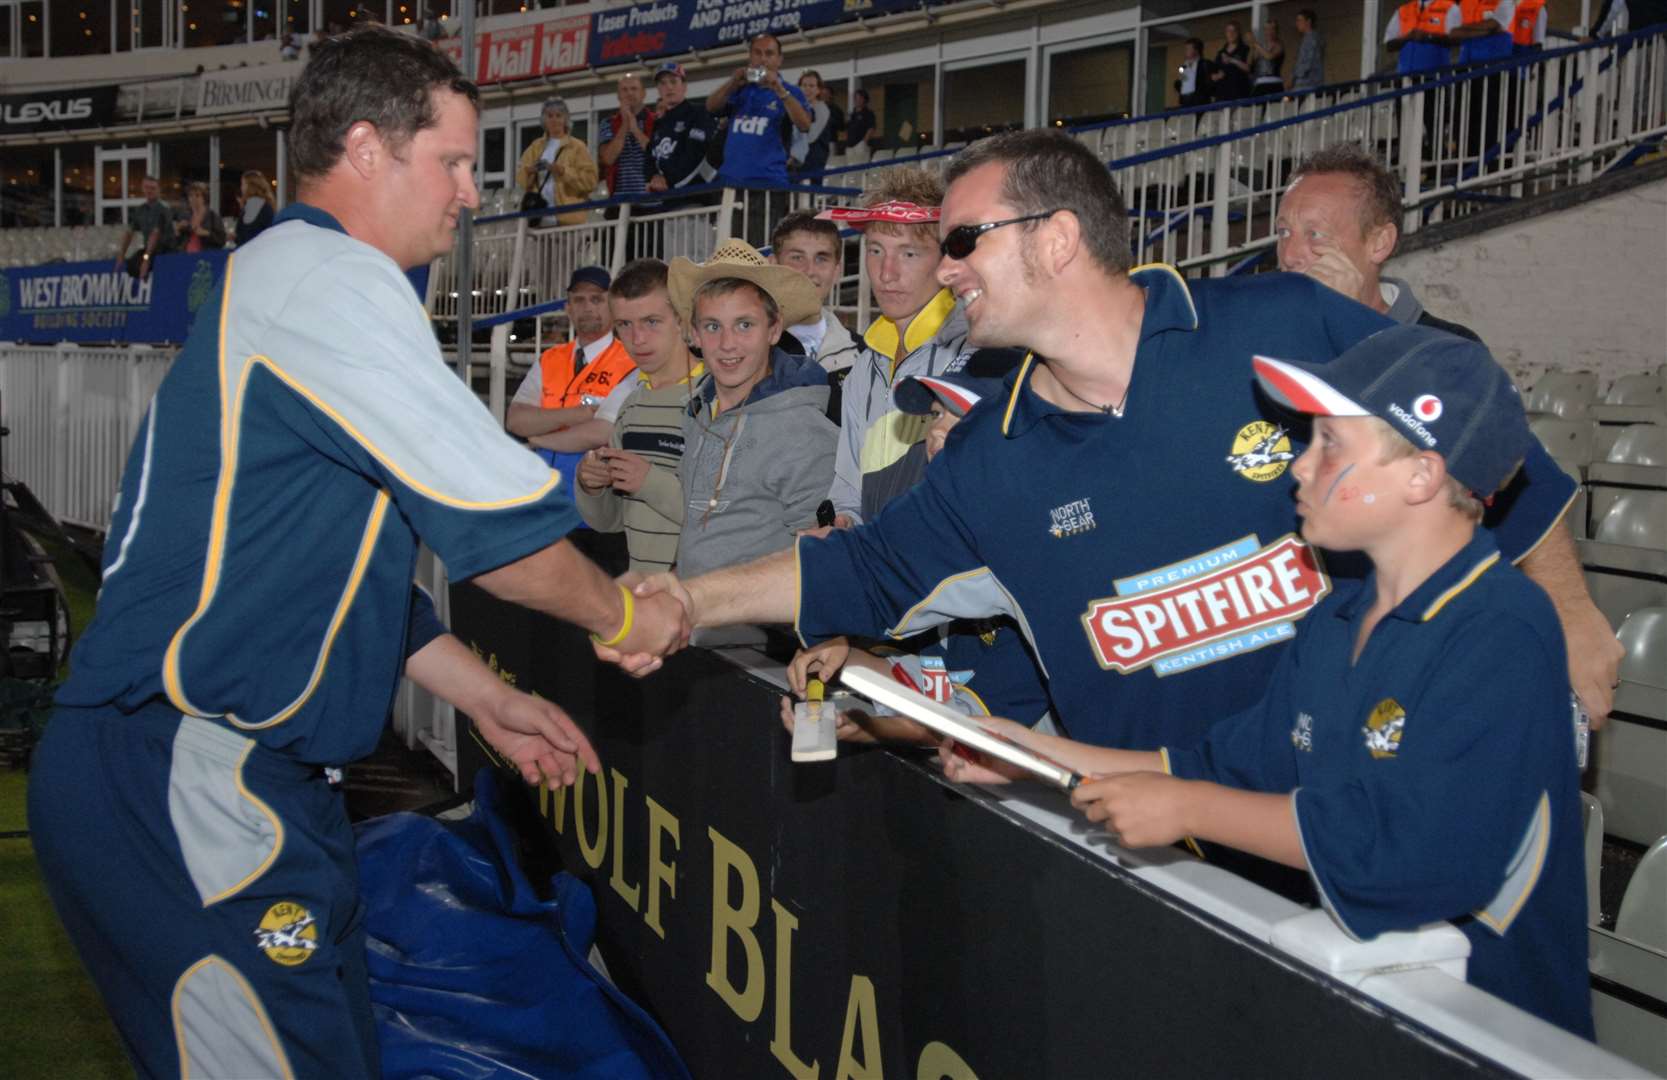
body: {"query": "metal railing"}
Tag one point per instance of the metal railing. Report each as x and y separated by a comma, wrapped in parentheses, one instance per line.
(1201, 184)
(1459, 140)
(73, 412)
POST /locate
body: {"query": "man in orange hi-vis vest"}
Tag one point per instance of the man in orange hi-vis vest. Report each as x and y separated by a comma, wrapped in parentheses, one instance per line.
(567, 403)
(1421, 32)
(1528, 26)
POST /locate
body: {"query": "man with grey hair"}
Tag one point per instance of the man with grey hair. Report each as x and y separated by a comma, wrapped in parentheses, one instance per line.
(1135, 410)
(1337, 223)
(557, 168)
(624, 142)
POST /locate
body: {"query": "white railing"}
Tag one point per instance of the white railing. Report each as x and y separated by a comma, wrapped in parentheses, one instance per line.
(73, 412)
(1201, 185)
(1459, 141)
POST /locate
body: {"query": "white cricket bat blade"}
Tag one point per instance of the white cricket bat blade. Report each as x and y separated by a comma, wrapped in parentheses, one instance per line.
(884, 690)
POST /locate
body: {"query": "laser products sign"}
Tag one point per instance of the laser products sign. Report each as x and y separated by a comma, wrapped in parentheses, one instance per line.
(659, 29)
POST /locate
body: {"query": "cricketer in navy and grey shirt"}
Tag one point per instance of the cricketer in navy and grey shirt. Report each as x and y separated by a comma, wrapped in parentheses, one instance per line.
(1152, 559)
(324, 389)
(1434, 776)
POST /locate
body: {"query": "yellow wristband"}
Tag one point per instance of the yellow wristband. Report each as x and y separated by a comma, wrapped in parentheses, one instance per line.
(625, 627)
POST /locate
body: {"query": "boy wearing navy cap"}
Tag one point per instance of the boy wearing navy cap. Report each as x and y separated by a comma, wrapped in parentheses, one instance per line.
(1414, 750)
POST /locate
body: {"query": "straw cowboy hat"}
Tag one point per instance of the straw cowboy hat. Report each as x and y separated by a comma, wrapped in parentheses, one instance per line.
(793, 293)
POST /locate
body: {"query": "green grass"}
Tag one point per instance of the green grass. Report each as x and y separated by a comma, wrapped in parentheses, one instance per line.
(52, 1024)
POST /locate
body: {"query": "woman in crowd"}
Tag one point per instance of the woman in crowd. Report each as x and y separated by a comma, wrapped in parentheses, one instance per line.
(201, 227)
(1270, 57)
(557, 167)
(256, 205)
(1230, 77)
(809, 154)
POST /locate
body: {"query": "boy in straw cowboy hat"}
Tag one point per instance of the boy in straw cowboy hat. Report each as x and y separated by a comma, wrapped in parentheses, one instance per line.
(758, 452)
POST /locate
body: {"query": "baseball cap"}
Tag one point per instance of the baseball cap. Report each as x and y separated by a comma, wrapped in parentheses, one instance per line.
(590, 275)
(670, 67)
(1442, 392)
(964, 383)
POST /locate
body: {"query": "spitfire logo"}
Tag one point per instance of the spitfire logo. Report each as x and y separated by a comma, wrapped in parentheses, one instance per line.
(1214, 606)
(940, 682)
(287, 934)
(1261, 452)
(1384, 728)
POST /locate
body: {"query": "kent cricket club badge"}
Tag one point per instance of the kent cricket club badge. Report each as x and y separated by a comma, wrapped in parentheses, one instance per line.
(1384, 727)
(287, 933)
(1261, 452)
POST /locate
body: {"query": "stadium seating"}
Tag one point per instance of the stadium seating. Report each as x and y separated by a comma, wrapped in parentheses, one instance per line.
(1640, 444)
(1569, 442)
(1591, 823)
(1631, 752)
(71, 243)
(1628, 531)
(1635, 519)
(1618, 596)
(1644, 388)
(1643, 914)
(1566, 394)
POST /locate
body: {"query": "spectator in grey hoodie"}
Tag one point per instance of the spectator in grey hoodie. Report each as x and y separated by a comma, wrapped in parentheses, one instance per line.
(758, 451)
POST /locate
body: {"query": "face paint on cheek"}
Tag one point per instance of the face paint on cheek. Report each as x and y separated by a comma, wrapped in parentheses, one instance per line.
(1333, 488)
(1369, 499)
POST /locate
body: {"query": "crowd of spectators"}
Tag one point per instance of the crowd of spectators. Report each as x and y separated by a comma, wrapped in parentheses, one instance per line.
(756, 129)
(926, 560)
(160, 227)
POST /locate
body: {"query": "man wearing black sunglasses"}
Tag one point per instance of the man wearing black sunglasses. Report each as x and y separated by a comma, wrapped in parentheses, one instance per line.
(1128, 500)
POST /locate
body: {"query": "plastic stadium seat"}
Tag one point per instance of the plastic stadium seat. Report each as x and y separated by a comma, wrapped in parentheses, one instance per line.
(1579, 515)
(1640, 444)
(883, 155)
(1591, 820)
(1563, 393)
(1603, 438)
(1618, 596)
(1643, 388)
(1635, 519)
(1644, 636)
(1566, 440)
(1643, 914)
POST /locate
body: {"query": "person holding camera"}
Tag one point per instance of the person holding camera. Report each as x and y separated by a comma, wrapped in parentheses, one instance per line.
(760, 106)
(557, 169)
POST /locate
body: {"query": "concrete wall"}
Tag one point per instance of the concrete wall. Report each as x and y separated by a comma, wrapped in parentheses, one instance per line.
(1583, 289)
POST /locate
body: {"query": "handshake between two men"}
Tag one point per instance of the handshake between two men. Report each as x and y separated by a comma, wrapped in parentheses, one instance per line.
(668, 609)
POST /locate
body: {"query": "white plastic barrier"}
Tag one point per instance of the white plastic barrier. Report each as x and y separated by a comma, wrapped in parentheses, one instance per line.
(73, 412)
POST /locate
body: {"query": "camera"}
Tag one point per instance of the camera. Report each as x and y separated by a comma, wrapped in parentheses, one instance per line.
(754, 74)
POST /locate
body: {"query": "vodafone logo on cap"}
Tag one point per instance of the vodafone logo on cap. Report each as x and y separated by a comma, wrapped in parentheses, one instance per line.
(1427, 408)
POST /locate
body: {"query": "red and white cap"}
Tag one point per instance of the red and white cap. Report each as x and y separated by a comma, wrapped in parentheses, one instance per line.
(895, 212)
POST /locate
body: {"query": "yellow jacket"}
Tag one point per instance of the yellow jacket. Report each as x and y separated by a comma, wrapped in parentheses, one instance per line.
(576, 182)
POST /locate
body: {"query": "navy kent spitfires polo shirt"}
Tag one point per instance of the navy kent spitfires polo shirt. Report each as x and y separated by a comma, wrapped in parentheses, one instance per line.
(1151, 559)
(1434, 778)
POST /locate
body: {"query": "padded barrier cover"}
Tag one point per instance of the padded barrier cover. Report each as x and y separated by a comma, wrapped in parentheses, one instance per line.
(473, 976)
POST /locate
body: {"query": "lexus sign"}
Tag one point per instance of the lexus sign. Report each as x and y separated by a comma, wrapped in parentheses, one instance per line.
(57, 110)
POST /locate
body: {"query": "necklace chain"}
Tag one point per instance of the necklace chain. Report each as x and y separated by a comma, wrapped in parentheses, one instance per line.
(1109, 410)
